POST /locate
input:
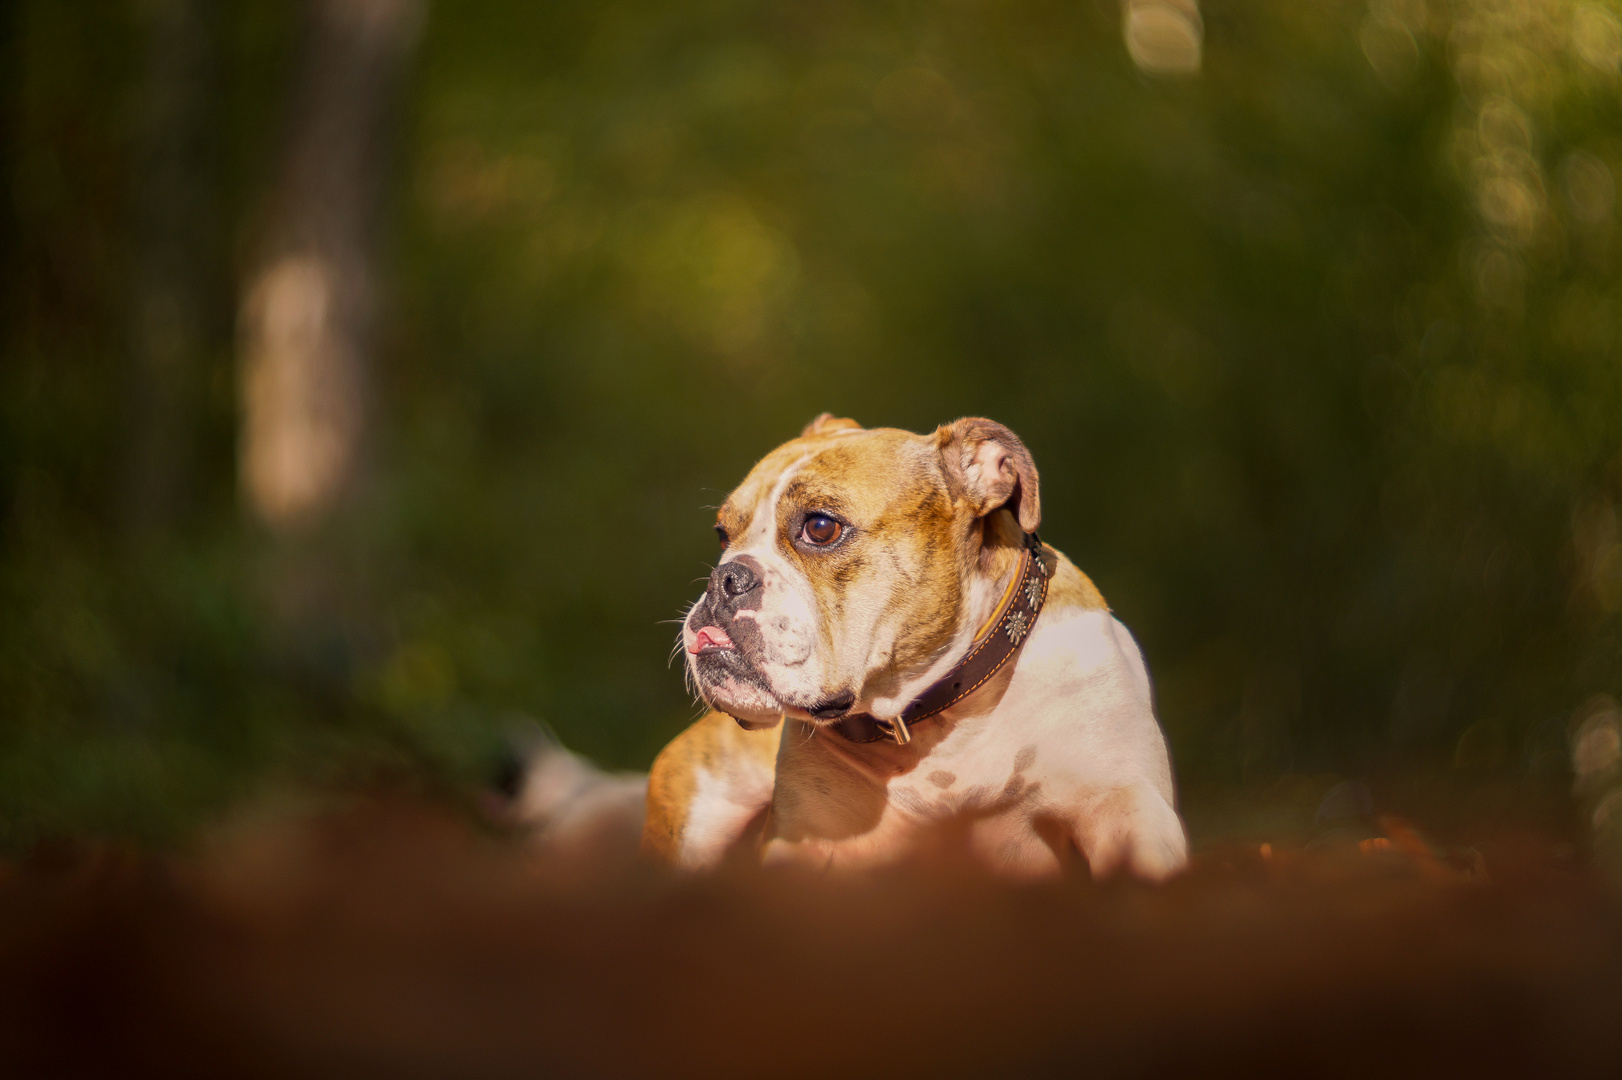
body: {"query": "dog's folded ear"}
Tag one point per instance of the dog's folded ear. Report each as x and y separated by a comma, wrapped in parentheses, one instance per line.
(989, 467)
(827, 423)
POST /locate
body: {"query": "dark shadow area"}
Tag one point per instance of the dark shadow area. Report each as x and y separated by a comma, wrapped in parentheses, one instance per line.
(387, 939)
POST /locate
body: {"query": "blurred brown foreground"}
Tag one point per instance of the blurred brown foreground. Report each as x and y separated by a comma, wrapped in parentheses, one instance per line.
(384, 937)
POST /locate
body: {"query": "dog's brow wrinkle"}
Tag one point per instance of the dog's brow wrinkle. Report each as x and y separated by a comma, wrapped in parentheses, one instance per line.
(1024, 759)
(942, 779)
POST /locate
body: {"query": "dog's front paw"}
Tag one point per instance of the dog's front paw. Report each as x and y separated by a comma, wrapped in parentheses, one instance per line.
(1136, 828)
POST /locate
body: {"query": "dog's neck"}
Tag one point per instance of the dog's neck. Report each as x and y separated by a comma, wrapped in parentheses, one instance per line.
(1020, 592)
(990, 558)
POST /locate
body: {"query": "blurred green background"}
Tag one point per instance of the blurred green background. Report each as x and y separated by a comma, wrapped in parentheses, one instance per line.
(1316, 348)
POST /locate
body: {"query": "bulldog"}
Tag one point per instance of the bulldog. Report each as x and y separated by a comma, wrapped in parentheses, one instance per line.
(895, 661)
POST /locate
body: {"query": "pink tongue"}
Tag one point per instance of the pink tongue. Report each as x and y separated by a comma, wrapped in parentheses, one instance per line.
(710, 635)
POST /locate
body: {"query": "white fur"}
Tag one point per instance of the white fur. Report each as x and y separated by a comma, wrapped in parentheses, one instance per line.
(786, 618)
(724, 803)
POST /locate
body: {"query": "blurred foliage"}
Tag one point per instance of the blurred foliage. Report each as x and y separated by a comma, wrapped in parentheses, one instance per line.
(1317, 352)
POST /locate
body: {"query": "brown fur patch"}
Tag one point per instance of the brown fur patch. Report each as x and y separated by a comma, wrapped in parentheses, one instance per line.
(1068, 587)
(904, 541)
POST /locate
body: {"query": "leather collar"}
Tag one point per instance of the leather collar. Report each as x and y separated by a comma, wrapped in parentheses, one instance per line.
(1009, 625)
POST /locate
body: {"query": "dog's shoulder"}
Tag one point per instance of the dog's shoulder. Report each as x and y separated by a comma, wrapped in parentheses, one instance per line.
(1069, 588)
(713, 756)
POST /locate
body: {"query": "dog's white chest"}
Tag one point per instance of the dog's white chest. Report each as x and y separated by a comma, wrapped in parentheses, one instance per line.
(1070, 758)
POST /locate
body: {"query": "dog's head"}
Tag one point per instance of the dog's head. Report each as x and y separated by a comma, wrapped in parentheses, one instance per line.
(853, 561)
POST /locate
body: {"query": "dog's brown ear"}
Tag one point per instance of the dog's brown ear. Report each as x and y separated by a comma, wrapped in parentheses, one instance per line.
(828, 422)
(988, 466)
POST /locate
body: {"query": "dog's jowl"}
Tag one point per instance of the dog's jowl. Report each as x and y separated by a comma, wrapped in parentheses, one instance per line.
(895, 661)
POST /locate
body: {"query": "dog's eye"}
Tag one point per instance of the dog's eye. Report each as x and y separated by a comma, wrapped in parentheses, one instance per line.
(820, 530)
(722, 533)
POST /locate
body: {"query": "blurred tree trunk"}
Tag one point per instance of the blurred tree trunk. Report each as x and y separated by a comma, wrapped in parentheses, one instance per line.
(308, 310)
(11, 98)
(173, 222)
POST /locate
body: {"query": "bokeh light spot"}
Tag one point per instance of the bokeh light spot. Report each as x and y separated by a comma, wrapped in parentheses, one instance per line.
(1164, 37)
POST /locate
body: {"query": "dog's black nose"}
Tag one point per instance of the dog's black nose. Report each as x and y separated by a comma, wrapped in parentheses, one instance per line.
(834, 708)
(735, 586)
(735, 578)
